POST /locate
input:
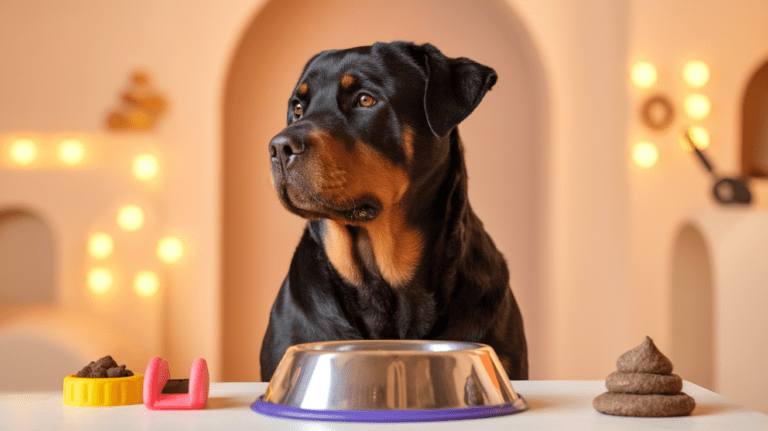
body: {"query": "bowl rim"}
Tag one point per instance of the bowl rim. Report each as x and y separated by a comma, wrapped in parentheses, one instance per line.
(462, 346)
(380, 416)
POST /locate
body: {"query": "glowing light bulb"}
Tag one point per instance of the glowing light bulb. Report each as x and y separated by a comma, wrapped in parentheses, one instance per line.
(23, 151)
(71, 152)
(146, 283)
(100, 280)
(696, 74)
(697, 106)
(700, 137)
(645, 154)
(170, 249)
(130, 217)
(100, 245)
(145, 167)
(644, 74)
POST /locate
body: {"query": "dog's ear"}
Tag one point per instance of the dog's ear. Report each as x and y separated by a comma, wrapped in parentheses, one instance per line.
(454, 88)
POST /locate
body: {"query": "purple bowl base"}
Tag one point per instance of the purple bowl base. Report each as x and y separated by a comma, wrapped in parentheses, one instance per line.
(431, 415)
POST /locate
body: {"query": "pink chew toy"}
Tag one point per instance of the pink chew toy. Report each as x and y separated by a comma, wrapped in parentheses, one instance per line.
(157, 376)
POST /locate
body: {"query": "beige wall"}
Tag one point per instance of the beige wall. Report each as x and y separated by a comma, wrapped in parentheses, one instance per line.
(728, 36)
(584, 45)
(608, 226)
(63, 67)
(68, 204)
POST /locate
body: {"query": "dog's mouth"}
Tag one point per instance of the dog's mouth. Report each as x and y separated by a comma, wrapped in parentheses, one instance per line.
(359, 210)
(363, 213)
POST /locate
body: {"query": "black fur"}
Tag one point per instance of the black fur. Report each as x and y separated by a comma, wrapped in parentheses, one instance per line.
(459, 288)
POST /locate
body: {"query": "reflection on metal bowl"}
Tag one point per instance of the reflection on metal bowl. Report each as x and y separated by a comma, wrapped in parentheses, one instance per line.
(389, 380)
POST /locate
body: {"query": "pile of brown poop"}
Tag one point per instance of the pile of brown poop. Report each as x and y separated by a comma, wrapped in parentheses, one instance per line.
(644, 386)
(104, 367)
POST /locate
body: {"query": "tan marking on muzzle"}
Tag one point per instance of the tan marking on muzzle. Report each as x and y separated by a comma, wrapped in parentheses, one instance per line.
(396, 246)
(339, 177)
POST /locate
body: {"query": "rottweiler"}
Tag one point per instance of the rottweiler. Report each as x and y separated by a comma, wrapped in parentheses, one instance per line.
(371, 157)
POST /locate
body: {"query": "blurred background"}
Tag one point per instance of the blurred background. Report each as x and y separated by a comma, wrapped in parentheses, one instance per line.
(137, 217)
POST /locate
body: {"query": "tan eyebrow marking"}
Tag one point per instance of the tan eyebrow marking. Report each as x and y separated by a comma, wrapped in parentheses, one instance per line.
(302, 90)
(347, 80)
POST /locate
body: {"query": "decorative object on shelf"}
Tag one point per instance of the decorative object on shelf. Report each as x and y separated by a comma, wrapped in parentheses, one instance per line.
(140, 108)
(726, 190)
(644, 386)
(657, 113)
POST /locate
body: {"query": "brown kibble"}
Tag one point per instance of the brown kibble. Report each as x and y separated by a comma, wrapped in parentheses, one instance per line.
(106, 362)
(86, 371)
(645, 358)
(119, 372)
(104, 368)
(98, 373)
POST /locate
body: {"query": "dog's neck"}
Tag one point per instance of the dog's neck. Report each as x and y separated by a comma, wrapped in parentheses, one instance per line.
(391, 247)
(386, 248)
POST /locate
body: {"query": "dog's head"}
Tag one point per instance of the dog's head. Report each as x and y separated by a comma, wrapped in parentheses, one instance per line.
(365, 123)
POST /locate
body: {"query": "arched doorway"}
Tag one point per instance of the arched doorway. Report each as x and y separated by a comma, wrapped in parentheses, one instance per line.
(505, 141)
(27, 261)
(693, 302)
(754, 128)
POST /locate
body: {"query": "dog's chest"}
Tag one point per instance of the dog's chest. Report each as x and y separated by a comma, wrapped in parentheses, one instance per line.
(381, 312)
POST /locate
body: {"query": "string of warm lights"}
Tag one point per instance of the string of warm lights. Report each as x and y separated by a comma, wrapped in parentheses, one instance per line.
(696, 107)
(72, 153)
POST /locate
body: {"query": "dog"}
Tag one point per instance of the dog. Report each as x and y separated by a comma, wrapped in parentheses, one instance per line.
(371, 157)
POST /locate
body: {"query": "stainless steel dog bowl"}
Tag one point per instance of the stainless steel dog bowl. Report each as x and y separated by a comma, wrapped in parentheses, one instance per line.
(389, 381)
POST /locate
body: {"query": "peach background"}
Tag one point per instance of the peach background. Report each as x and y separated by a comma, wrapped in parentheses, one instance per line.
(602, 229)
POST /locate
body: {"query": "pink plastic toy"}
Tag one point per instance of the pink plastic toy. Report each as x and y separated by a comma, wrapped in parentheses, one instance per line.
(157, 375)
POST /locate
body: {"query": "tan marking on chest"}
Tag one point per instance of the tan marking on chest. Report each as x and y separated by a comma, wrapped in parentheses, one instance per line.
(396, 247)
(339, 248)
(407, 139)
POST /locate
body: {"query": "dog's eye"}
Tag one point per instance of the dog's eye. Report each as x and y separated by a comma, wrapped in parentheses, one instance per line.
(298, 110)
(365, 101)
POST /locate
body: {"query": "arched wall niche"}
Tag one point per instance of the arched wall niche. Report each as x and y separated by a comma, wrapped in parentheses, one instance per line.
(693, 312)
(27, 259)
(754, 125)
(505, 139)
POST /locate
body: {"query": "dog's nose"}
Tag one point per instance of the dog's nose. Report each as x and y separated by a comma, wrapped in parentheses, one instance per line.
(284, 148)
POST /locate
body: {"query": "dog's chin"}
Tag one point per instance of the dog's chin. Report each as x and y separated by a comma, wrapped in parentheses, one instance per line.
(295, 200)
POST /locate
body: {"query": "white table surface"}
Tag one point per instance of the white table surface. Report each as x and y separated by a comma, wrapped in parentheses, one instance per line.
(554, 405)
